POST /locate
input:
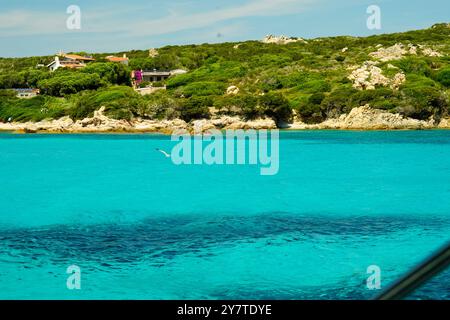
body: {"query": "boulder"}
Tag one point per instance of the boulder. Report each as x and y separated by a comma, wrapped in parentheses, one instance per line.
(431, 53)
(444, 123)
(232, 90)
(152, 53)
(368, 76)
(281, 39)
(395, 52)
(367, 118)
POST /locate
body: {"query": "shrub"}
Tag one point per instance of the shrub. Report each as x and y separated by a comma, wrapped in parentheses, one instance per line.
(110, 72)
(180, 80)
(159, 106)
(217, 72)
(242, 104)
(4, 93)
(12, 80)
(316, 98)
(249, 106)
(276, 106)
(372, 96)
(413, 65)
(423, 102)
(205, 88)
(69, 84)
(314, 86)
(142, 63)
(271, 83)
(34, 109)
(416, 81)
(195, 108)
(311, 113)
(112, 98)
(145, 84)
(443, 76)
(339, 101)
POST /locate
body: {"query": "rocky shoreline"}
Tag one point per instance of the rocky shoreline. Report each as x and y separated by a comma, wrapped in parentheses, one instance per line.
(362, 118)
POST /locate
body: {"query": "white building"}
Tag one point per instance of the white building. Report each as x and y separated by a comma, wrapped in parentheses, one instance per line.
(26, 93)
(72, 61)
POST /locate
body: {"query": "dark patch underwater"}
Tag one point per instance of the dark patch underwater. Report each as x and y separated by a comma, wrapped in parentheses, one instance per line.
(160, 240)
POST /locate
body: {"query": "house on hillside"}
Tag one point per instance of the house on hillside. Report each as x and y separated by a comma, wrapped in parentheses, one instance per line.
(155, 75)
(123, 60)
(72, 61)
(26, 93)
(140, 76)
(143, 80)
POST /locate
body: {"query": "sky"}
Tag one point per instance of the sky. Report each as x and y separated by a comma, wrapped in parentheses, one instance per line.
(39, 27)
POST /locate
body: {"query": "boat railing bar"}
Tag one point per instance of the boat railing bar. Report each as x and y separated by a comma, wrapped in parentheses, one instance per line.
(428, 269)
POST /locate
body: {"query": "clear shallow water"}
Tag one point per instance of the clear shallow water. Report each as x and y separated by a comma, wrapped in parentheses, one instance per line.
(140, 227)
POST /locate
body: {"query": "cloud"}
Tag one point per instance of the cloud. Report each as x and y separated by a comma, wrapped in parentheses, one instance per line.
(116, 20)
(179, 22)
(29, 23)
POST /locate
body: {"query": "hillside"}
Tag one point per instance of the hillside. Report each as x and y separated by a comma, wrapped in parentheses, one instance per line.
(311, 80)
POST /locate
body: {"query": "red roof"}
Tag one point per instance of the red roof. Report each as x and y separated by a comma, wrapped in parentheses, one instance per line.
(116, 59)
(77, 57)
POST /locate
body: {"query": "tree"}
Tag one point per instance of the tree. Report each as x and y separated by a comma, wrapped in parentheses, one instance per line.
(339, 101)
(69, 84)
(196, 108)
(276, 106)
(113, 73)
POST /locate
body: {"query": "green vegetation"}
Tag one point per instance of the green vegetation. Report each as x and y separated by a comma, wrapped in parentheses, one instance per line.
(66, 84)
(35, 109)
(273, 80)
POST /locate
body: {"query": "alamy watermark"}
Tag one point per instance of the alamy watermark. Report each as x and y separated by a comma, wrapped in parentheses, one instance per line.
(230, 147)
(374, 19)
(374, 280)
(73, 22)
(74, 279)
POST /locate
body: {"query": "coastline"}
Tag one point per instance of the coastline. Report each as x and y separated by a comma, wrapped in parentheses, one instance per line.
(363, 118)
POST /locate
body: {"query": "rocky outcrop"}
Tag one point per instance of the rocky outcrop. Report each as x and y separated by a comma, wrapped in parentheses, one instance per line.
(398, 51)
(102, 123)
(431, 53)
(232, 90)
(369, 75)
(362, 118)
(281, 39)
(257, 124)
(366, 118)
(232, 123)
(98, 123)
(444, 123)
(152, 53)
(398, 80)
(394, 52)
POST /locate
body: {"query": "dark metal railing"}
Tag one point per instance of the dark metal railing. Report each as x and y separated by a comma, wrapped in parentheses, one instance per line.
(417, 277)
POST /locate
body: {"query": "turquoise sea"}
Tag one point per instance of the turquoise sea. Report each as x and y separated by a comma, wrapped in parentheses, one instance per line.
(140, 227)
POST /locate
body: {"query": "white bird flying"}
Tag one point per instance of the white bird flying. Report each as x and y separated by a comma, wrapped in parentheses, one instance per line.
(167, 155)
